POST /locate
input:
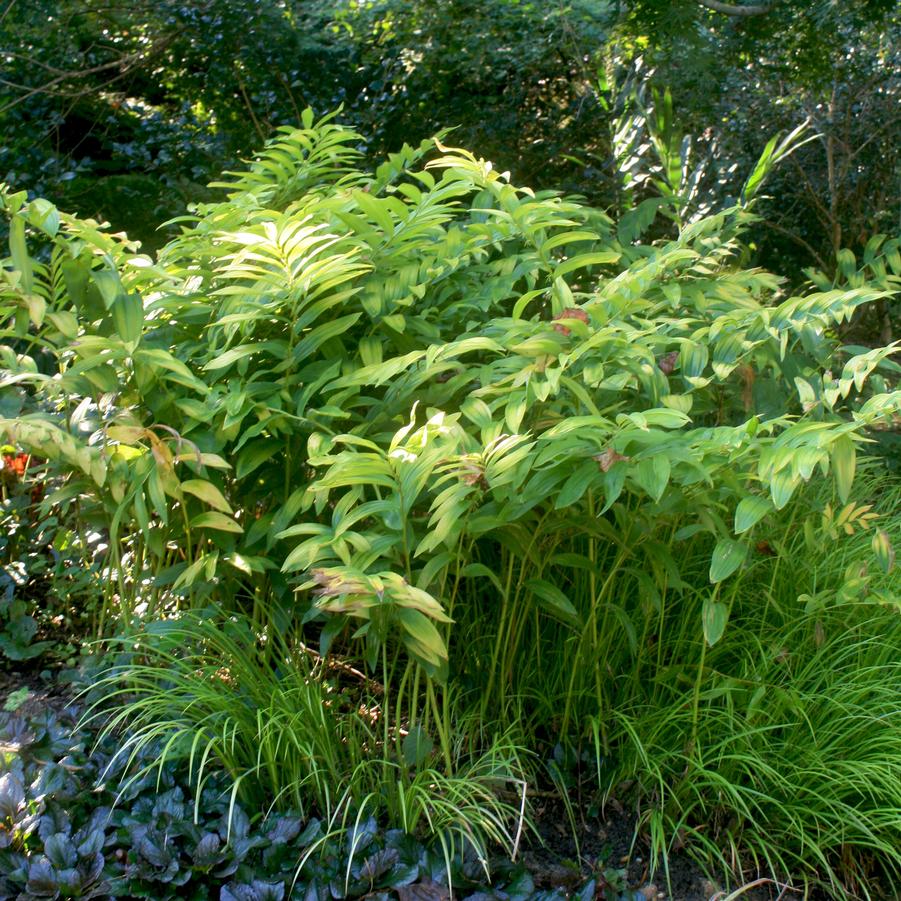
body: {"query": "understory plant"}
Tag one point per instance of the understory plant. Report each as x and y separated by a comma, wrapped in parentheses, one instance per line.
(469, 440)
(290, 729)
(64, 836)
(777, 750)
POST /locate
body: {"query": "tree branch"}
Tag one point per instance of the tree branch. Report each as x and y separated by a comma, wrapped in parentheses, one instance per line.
(799, 241)
(731, 9)
(125, 64)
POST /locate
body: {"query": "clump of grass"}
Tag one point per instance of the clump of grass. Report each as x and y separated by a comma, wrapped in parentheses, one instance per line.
(794, 764)
(291, 732)
(777, 752)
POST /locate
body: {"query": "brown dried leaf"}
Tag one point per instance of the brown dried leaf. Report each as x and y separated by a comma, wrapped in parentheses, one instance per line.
(667, 362)
(608, 457)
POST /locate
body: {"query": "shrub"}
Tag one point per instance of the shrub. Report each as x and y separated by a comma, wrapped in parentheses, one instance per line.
(438, 424)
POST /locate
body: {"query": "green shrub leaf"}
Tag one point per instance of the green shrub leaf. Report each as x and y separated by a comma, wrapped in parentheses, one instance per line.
(750, 511)
(208, 493)
(213, 520)
(554, 602)
(844, 458)
(714, 617)
(728, 555)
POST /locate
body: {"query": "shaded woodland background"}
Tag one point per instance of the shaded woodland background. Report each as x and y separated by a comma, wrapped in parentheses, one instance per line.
(125, 110)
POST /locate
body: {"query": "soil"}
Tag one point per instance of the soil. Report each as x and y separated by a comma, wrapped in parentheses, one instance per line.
(43, 692)
(608, 844)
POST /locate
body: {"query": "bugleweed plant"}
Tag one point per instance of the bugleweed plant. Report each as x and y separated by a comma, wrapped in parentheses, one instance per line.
(442, 429)
(63, 835)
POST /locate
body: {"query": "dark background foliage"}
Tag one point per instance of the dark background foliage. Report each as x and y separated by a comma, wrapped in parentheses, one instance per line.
(125, 110)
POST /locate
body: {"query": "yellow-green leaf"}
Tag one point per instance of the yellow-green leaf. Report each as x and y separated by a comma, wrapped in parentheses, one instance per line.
(714, 617)
(37, 307)
(208, 493)
(750, 511)
(728, 555)
(586, 259)
(213, 520)
(882, 548)
(844, 460)
(64, 322)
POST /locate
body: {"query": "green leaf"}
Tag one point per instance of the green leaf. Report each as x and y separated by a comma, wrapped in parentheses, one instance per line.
(882, 548)
(208, 493)
(157, 358)
(554, 602)
(563, 238)
(614, 480)
(322, 333)
(586, 259)
(761, 169)
(109, 285)
(65, 323)
(515, 410)
(750, 511)
(574, 487)
(417, 746)
(255, 454)
(728, 555)
(693, 359)
(476, 411)
(128, 317)
(18, 250)
(37, 307)
(782, 487)
(44, 215)
(652, 474)
(422, 638)
(844, 459)
(221, 361)
(217, 521)
(714, 617)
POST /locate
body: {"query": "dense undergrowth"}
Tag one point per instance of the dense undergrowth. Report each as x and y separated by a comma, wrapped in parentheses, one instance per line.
(408, 491)
(62, 836)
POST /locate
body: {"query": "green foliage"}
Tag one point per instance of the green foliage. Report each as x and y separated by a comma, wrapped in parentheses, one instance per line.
(62, 836)
(794, 763)
(277, 339)
(736, 80)
(48, 576)
(783, 750)
(123, 111)
(468, 437)
(291, 730)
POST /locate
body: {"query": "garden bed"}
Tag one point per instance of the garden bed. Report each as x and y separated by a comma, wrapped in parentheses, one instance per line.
(65, 832)
(431, 523)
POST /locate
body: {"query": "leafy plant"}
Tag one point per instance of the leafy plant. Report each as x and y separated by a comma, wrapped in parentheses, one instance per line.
(464, 436)
(48, 577)
(63, 836)
(293, 731)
